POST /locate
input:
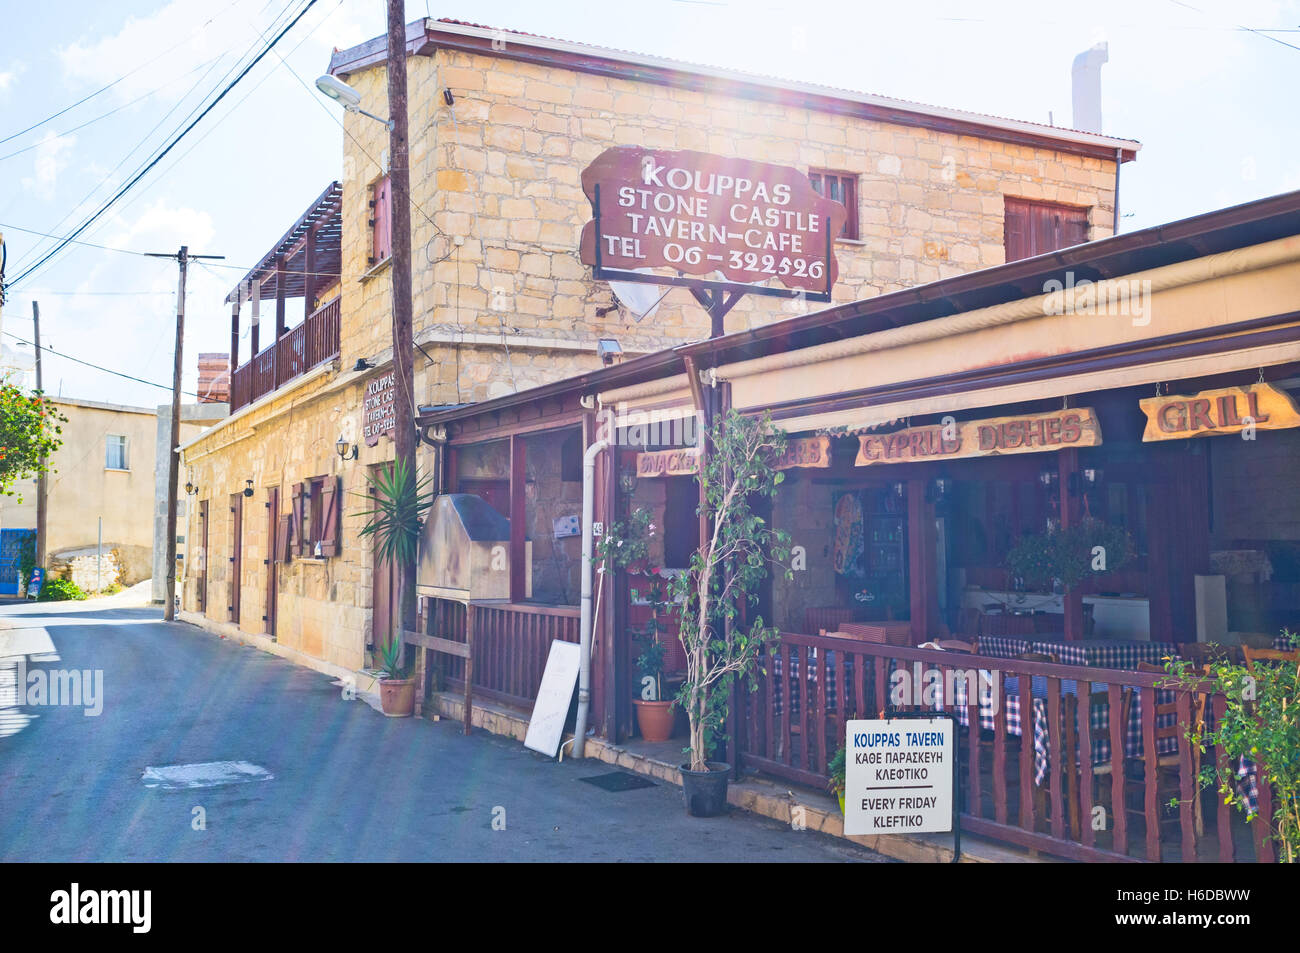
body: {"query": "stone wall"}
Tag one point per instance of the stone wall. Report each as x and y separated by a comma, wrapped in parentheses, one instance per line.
(88, 571)
(503, 178)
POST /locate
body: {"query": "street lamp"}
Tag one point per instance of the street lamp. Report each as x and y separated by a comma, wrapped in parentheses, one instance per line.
(347, 97)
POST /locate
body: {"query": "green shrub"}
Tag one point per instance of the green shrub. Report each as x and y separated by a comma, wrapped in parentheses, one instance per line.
(60, 590)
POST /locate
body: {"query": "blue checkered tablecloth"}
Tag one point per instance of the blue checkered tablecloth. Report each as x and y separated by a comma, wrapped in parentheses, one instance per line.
(1104, 653)
(1286, 643)
(1004, 646)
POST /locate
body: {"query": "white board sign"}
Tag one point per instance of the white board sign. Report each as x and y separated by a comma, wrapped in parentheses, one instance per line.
(898, 776)
(546, 727)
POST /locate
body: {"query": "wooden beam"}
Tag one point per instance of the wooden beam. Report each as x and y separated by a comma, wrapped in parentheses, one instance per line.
(1067, 462)
(920, 551)
(518, 518)
(234, 344)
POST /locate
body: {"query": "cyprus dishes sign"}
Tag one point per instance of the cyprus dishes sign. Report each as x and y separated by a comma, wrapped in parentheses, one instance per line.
(699, 213)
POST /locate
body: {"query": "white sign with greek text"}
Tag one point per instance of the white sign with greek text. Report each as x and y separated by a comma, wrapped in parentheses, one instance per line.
(898, 776)
(551, 710)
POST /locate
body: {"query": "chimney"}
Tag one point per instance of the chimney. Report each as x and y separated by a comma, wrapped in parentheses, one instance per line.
(1085, 84)
(214, 378)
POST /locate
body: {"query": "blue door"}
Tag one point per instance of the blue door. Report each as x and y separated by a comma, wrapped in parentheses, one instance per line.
(10, 542)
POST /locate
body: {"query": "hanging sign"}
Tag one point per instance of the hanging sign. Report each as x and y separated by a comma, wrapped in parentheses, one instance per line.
(1028, 433)
(657, 463)
(1213, 412)
(699, 213)
(380, 413)
(808, 452)
(898, 776)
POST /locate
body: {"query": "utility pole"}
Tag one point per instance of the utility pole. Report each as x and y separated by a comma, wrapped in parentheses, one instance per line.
(403, 338)
(183, 259)
(41, 485)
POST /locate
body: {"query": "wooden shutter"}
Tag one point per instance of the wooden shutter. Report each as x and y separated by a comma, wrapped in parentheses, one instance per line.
(331, 501)
(381, 241)
(295, 529)
(283, 536)
(1036, 228)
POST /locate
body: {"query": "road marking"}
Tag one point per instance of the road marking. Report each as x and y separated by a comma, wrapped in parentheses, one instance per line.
(206, 774)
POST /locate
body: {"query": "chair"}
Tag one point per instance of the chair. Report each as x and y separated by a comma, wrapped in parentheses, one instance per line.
(1269, 656)
(957, 645)
(1098, 772)
(1037, 657)
(1006, 624)
(1205, 653)
(1256, 640)
(968, 622)
(1168, 765)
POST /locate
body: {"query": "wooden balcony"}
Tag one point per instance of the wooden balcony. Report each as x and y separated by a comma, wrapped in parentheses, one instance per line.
(313, 342)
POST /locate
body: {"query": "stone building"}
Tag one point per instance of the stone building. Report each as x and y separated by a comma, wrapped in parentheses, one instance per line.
(502, 126)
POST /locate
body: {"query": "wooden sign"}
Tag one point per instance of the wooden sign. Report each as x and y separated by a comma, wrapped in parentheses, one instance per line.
(699, 213)
(551, 710)
(379, 414)
(809, 452)
(1028, 433)
(1213, 412)
(657, 463)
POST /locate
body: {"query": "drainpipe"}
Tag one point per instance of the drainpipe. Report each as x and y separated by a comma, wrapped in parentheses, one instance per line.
(584, 638)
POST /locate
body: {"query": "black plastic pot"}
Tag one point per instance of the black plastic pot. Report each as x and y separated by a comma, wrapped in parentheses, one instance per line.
(705, 792)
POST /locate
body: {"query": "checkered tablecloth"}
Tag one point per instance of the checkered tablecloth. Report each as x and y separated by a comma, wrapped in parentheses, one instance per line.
(1004, 646)
(1286, 643)
(1104, 653)
(1098, 712)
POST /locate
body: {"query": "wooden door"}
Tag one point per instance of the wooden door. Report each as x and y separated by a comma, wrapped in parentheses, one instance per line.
(201, 587)
(273, 545)
(383, 592)
(236, 553)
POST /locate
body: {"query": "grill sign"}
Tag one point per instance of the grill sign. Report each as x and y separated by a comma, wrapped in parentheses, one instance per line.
(699, 213)
(1226, 411)
(379, 414)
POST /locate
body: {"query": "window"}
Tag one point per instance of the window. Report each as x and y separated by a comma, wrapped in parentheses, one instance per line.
(381, 221)
(841, 187)
(1036, 228)
(315, 517)
(115, 452)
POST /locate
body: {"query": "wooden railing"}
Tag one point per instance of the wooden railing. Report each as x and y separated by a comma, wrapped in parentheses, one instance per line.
(836, 679)
(313, 342)
(511, 644)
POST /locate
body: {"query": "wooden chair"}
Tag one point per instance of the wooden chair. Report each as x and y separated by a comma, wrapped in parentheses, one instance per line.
(1006, 624)
(1269, 657)
(1099, 774)
(1205, 653)
(968, 623)
(1256, 640)
(1037, 657)
(957, 645)
(1168, 766)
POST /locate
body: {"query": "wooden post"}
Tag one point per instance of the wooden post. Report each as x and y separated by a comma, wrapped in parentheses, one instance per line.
(255, 290)
(400, 271)
(1067, 462)
(234, 344)
(469, 666)
(920, 552)
(279, 322)
(309, 273)
(518, 518)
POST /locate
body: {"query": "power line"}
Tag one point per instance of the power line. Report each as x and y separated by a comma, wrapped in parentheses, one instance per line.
(125, 76)
(99, 367)
(175, 141)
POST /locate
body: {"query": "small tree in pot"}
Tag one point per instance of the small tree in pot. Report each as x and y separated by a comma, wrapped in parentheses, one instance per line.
(723, 575)
(399, 502)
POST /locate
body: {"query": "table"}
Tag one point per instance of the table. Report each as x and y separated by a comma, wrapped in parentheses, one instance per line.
(1104, 653)
(1285, 643)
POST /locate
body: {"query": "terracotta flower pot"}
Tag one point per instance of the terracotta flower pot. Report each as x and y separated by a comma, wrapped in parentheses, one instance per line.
(654, 720)
(397, 697)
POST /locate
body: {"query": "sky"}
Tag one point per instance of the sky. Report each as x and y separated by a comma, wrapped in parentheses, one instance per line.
(1206, 87)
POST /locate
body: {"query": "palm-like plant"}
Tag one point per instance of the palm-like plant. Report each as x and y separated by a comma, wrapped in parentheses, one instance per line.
(399, 502)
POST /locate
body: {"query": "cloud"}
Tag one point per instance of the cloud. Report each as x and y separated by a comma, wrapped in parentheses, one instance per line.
(52, 157)
(9, 75)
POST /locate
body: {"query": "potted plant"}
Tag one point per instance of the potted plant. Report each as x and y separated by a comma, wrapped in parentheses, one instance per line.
(654, 713)
(398, 504)
(836, 769)
(1063, 558)
(724, 574)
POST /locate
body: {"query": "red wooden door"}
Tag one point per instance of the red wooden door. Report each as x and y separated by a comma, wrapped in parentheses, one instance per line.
(201, 588)
(273, 547)
(236, 553)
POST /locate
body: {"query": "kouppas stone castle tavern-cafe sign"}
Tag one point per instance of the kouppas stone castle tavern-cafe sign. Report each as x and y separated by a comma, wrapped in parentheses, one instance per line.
(702, 214)
(378, 415)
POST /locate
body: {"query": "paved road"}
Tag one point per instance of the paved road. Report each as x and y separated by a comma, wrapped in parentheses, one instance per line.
(348, 783)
